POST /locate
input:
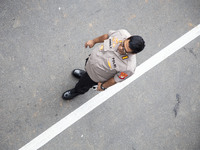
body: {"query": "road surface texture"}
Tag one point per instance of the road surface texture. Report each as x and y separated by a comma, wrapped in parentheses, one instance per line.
(42, 41)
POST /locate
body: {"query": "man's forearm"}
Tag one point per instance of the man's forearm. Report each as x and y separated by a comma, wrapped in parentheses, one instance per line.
(101, 38)
(109, 83)
(106, 84)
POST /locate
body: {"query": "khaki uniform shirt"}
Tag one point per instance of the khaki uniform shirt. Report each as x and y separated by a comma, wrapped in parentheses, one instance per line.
(105, 62)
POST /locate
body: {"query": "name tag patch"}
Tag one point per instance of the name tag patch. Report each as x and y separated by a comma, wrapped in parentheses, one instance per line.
(124, 57)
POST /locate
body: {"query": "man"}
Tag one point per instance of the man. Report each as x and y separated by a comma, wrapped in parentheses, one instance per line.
(114, 60)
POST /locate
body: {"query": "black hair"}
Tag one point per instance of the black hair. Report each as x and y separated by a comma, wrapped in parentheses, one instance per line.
(136, 44)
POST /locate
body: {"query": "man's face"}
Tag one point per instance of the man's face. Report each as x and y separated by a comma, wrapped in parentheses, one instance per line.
(123, 48)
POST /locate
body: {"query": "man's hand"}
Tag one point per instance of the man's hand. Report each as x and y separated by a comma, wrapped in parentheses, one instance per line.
(100, 39)
(89, 43)
(99, 87)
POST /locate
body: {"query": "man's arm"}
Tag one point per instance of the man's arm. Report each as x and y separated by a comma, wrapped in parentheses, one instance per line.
(100, 39)
(106, 84)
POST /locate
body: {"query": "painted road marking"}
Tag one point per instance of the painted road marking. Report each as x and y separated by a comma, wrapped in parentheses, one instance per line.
(87, 107)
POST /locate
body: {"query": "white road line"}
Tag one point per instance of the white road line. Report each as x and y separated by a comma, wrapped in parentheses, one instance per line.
(87, 107)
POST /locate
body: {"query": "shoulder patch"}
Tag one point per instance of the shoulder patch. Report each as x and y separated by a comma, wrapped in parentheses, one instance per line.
(123, 75)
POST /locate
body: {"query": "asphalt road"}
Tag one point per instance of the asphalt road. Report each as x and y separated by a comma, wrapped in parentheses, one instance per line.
(41, 42)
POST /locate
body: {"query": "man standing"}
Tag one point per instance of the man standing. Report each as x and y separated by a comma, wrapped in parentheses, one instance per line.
(114, 60)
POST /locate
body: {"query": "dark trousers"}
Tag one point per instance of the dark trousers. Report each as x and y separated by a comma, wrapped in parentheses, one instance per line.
(84, 84)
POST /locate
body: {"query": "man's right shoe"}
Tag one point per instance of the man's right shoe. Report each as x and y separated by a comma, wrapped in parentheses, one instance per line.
(70, 94)
(78, 73)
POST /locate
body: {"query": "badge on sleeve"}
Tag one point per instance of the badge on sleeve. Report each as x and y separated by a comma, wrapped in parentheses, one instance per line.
(123, 75)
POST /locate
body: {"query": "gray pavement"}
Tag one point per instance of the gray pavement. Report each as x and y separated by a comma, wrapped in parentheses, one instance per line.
(41, 42)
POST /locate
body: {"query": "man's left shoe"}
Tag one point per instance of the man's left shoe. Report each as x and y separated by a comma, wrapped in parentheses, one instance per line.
(78, 73)
(70, 94)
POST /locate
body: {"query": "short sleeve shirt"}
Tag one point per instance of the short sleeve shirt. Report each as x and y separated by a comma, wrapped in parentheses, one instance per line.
(105, 62)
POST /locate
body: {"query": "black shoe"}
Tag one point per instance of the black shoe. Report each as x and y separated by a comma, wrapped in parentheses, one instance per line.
(70, 94)
(78, 73)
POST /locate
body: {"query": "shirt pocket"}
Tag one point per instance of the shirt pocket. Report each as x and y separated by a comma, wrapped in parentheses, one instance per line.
(111, 65)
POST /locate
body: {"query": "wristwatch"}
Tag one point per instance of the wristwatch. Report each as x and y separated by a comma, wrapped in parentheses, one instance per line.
(103, 88)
